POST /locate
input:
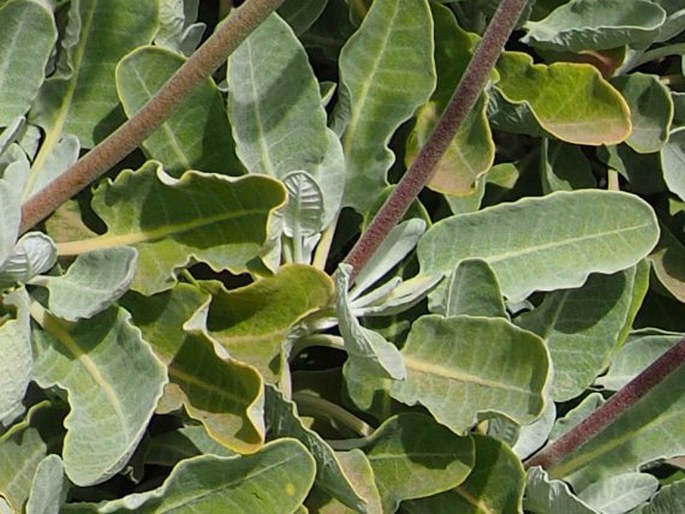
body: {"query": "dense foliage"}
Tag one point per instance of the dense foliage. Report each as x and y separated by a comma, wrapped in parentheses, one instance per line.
(186, 334)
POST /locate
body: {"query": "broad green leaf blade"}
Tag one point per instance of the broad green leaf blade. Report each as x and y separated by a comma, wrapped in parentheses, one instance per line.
(671, 498)
(23, 447)
(583, 328)
(274, 480)
(546, 496)
(587, 24)
(565, 167)
(278, 120)
(641, 349)
(171, 447)
(34, 253)
(81, 97)
(413, 457)
(547, 243)
(253, 323)
(10, 218)
(651, 110)
(283, 420)
(113, 381)
(304, 212)
(49, 487)
(27, 36)
(473, 290)
(463, 368)
(668, 263)
(673, 160)
(196, 135)
(225, 395)
(386, 72)
(16, 365)
(642, 435)
(621, 493)
(532, 437)
(494, 486)
(92, 283)
(212, 218)
(301, 14)
(472, 151)
(592, 111)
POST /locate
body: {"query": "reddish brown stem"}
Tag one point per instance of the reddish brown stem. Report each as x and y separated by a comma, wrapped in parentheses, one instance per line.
(126, 138)
(463, 99)
(618, 404)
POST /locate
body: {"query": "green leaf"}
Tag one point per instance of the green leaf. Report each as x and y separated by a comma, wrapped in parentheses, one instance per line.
(80, 98)
(464, 368)
(413, 457)
(633, 439)
(253, 323)
(494, 486)
(473, 290)
(651, 110)
(532, 437)
(587, 24)
(545, 496)
(177, 32)
(305, 208)
(284, 421)
(621, 493)
(592, 111)
(274, 480)
(668, 263)
(10, 217)
(301, 14)
(565, 167)
(641, 349)
(472, 151)
(671, 498)
(279, 123)
(48, 490)
(196, 135)
(171, 447)
(34, 253)
(583, 232)
(92, 283)
(113, 381)
(16, 366)
(369, 354)
(27, 36)
(225, 395)
(672, 160)
(582, 328)
(212, 218)
(386, 72)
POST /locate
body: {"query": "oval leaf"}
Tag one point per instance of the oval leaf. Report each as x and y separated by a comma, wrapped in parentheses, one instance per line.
(547, 243)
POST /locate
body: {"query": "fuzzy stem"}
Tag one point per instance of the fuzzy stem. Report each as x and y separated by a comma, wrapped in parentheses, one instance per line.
(125, 139)
(617, 405)
(463, 99)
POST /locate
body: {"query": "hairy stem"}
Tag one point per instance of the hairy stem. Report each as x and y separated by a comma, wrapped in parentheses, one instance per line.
(126, 138)
(463, 99)
(617, 405)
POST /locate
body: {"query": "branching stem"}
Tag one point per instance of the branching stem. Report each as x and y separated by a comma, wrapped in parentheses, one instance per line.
(126, 138)
(463, 99)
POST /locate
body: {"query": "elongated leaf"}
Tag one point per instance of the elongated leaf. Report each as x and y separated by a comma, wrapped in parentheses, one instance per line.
(252, 323)
(651, 111)
(224, 394)
(592, 112)
(495, 484)
(387, 71)
(586, 24)
(113, 381)
(546, 243)
(301, 14)
(672, 159)
(274, 480)
(49, 487)
(412, 457)
(27, 35)
(463, 368)
(10, 217)
(532, 437)
(474, 290)
(196, 135)
(639, 436)
(583, 327)
(621, 493)
(545, 496)
(92, 283)
(171, 447)
(16, 366)
(81, 98)
(283, 420)
(212, 218)
(565, 168)
(668, 263)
